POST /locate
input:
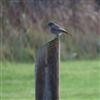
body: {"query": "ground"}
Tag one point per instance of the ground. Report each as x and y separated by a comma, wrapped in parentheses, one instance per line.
(79, 80)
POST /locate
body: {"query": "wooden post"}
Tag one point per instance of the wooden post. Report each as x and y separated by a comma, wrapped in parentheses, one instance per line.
(47, 71)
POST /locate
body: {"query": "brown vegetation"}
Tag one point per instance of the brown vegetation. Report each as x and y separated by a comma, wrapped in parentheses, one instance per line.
(24, 27)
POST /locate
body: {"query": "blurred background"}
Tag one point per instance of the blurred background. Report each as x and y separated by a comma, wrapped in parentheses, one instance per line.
(23, 30)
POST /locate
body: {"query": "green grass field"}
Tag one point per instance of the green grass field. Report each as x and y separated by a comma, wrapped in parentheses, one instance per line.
(79, 80)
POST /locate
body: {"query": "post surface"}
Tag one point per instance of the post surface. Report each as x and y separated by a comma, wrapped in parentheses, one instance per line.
(47, 71)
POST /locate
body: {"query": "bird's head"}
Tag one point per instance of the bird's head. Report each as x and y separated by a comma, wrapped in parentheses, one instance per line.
(50, 24)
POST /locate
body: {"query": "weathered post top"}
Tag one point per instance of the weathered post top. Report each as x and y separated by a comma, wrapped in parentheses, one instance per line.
(47, 71)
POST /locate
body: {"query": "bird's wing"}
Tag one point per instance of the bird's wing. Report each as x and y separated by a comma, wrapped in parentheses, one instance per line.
(60, 29)
(56, 26)
(64, 31)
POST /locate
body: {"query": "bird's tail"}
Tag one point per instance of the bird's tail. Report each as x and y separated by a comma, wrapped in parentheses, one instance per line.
(64, 31)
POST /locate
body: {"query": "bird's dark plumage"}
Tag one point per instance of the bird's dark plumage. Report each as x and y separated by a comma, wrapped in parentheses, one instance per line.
(56, 29)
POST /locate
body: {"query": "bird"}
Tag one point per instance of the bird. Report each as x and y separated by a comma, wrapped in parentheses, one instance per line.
(57, 29)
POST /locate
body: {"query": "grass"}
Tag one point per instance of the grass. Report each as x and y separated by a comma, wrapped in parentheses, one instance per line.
(79, 80)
